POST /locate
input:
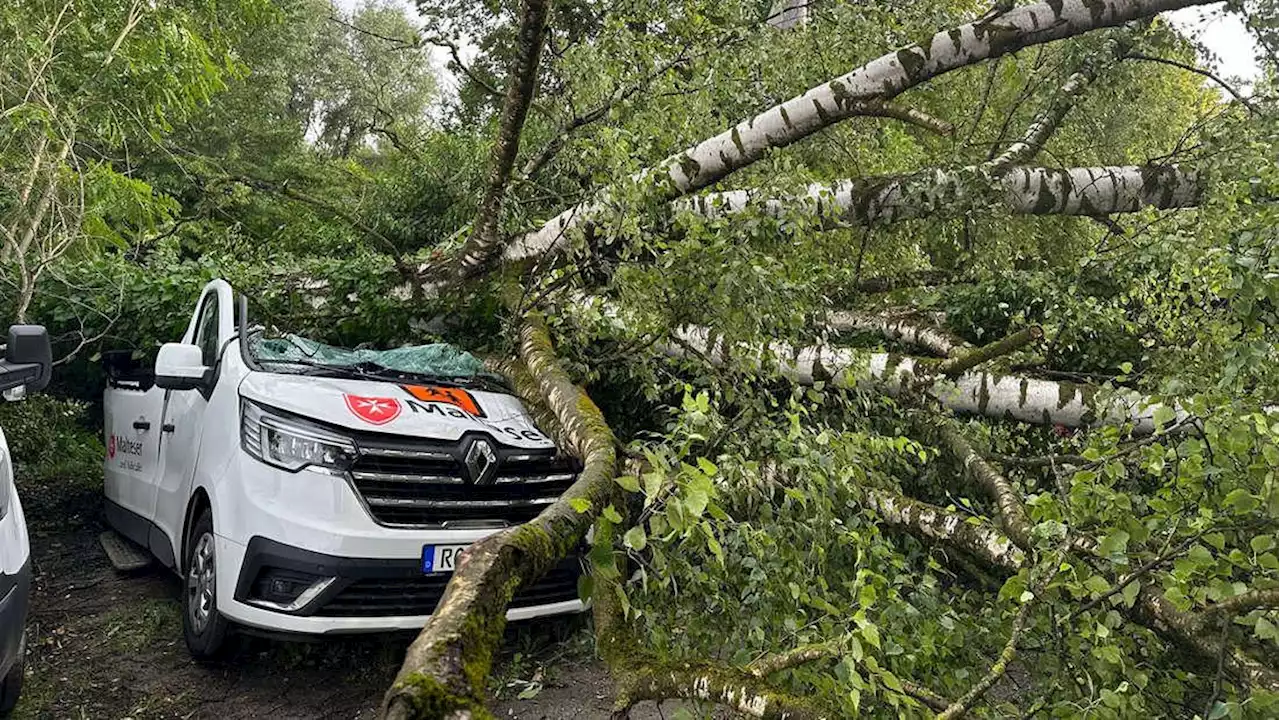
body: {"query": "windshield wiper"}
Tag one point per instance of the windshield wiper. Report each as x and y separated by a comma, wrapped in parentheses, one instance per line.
(482, 382)
(342, 370)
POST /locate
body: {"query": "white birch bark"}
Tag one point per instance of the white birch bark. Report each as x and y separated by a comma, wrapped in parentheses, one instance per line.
(855, 93)
(943, 193)
(786, 14)
(909, 328)
(1009, 397)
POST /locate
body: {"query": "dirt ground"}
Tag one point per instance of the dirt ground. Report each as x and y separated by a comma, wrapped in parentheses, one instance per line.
(102, 645)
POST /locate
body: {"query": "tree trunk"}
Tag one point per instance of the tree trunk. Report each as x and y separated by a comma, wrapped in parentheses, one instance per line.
(483, 243)
(940, 194)
(992, 395)
(859, 92)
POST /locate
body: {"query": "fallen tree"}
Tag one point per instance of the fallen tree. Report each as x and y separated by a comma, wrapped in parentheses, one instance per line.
(444, 672)
(994, 395)
(1091, 191)
(863, 91)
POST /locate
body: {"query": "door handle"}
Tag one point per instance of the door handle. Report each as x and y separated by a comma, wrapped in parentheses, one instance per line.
(141, 425)
(167, 427)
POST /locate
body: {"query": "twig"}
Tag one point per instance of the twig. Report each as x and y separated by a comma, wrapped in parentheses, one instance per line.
(1198, 71)
(998, 668)
(1217, 676)
(1038, 461)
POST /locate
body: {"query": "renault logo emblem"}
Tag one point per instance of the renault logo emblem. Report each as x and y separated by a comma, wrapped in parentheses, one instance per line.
(481, 462)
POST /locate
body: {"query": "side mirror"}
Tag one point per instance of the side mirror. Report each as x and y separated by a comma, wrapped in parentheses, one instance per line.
(28, 361)
(180, 366)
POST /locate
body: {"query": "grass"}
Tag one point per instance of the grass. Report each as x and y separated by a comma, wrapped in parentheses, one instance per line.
(135, 627)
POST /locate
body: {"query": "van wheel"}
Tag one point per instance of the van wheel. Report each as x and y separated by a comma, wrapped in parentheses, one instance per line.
(11, 684)
(203, 626)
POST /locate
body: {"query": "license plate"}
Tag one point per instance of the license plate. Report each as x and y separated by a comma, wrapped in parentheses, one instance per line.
(440, 558)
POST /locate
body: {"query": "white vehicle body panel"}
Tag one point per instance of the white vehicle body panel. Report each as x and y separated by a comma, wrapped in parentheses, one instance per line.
(324, 399)
(14, 546)
(188, 444)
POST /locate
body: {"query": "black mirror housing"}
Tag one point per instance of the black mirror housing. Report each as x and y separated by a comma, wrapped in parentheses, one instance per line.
(28, 359)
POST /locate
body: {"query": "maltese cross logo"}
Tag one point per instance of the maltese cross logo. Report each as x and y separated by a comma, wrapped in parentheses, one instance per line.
(373, 410)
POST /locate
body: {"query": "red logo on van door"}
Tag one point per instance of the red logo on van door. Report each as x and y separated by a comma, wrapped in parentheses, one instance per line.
(373, 410)
(111, 447)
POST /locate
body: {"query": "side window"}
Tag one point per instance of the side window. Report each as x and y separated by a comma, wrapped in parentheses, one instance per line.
(207, 330)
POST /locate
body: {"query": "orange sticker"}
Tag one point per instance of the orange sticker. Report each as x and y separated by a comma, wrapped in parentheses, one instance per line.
(456, 397)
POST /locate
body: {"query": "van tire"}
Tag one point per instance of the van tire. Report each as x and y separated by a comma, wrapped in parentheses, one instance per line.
(11, 684)
(203, 627)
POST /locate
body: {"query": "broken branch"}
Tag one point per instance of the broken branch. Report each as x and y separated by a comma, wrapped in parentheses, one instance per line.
(445, 669)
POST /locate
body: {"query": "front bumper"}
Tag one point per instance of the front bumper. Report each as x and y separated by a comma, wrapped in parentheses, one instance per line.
(278, 587)
(15, 591)
(314, 524)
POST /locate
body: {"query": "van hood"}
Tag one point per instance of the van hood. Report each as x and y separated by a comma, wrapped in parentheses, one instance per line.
(421, 411)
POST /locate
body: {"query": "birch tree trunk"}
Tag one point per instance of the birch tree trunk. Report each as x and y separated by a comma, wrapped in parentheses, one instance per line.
(1007, 397)
(859, 92)
(951, 193)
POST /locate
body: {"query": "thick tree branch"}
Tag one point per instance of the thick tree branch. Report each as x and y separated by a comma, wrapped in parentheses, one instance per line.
(860, 92)
(906, 327)
(743, 692)
(1248, 601)
(1047, 122)
(912, 116)
(1013, 515)
(1008, 397)
(766, 666)
(1090, 192)
(484, 243)
(931, 522)
(1153, 610)
(963, 363)
(445, 669)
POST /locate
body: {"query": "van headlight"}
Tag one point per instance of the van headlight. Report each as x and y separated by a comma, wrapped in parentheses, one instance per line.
(292, 444)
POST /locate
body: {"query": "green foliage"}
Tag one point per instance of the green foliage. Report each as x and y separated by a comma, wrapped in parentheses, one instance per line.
(52, 440)
(309, 160)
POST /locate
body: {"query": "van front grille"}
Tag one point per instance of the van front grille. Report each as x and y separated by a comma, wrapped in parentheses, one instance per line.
(426, 486)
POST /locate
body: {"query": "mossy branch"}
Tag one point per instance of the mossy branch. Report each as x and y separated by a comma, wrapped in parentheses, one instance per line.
(445, 669)
(997, 671)
(959, 365)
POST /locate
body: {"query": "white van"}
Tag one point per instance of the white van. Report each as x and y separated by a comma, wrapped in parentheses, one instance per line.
(302, 488)
(25, 368)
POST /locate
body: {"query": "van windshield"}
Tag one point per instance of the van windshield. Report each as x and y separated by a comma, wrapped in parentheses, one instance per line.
(436, 363)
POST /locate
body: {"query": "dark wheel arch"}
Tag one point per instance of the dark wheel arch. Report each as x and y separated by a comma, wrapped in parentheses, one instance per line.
(198, 503)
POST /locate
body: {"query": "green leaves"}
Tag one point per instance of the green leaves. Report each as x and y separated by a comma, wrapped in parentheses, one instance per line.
(635, 538)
